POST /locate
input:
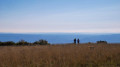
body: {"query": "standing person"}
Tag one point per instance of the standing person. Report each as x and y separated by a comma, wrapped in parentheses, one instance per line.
(75, 41)
(78, 41)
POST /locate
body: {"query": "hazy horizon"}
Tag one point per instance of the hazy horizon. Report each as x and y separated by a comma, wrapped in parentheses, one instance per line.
(60, 16)
(95, 33)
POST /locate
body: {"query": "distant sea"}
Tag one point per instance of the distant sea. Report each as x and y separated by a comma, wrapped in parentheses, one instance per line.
(60, 38)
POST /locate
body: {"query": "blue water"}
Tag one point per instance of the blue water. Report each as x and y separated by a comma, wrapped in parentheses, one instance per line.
(60, 38)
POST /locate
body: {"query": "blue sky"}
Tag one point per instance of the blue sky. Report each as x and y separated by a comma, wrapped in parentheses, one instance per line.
(83, 16)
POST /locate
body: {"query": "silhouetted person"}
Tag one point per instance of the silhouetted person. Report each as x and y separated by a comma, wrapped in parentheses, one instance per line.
(75, 41)
(78, 41)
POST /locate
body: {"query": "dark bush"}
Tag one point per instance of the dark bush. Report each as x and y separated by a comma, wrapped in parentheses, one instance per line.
(8, 43)
(22, 42)
(101, 42)
(41, 42)
(0, 43)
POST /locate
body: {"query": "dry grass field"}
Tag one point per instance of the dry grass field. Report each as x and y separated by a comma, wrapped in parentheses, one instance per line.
(82, 55)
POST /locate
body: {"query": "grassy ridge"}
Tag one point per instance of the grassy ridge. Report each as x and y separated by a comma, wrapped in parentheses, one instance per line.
(83, 55)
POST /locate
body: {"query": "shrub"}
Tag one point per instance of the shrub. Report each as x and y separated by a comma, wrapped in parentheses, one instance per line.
(22, 42)
(41, 42)
(9, 43)
(101, 42)
(0, 43)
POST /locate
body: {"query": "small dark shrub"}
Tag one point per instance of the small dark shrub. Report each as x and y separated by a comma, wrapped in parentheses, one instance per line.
(8, 43)
(101, 42)
(0, 43)
(22, 42)
(41, 42)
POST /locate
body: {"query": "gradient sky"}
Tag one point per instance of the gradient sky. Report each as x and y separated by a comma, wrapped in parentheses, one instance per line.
(36, 16)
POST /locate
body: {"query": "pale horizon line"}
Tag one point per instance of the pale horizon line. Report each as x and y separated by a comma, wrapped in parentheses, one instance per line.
(59, 32)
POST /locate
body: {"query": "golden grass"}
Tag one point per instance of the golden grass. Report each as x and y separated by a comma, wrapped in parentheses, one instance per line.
(83, 55)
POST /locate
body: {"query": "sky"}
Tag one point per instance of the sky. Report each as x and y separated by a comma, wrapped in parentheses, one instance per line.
(39, 16)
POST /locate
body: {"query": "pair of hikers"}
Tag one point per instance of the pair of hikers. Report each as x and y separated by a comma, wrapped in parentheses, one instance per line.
(78, 41)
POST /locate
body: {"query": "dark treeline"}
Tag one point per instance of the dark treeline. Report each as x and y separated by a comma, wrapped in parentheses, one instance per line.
(39, 42)
(23, 43)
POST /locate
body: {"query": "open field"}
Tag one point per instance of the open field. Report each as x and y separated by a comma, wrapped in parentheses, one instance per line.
(82, 55)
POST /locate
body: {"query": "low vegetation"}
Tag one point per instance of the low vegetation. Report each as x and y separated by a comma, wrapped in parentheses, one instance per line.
(69, 55)
(23, 43)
